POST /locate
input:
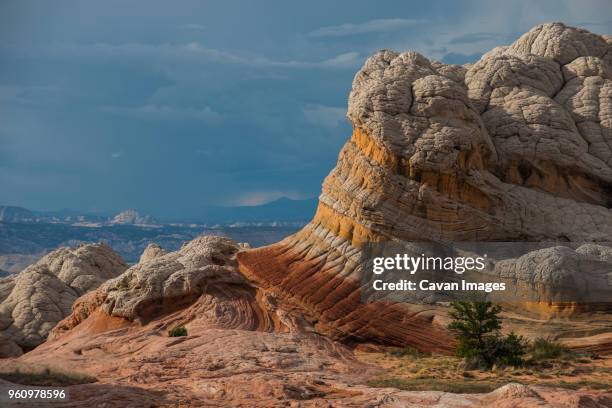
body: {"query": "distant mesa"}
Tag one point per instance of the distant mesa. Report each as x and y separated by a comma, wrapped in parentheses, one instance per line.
(22, 215)
(132, 217)
(281, 212)
(12, 214)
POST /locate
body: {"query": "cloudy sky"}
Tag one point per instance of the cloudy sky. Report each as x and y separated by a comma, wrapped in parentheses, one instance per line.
(170, 106)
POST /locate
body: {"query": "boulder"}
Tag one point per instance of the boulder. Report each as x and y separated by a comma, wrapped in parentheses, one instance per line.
(152, 251)
(33, 301)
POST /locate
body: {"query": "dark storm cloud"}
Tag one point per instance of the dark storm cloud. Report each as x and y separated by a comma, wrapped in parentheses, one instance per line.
(167, 107)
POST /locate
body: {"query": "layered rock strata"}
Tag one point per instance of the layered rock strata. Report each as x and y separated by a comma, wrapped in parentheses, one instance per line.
(516, 147)
(201, 282)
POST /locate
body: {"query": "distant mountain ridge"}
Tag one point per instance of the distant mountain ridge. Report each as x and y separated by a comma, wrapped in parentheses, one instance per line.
(16, 214)
(282, 211)
(20, 214)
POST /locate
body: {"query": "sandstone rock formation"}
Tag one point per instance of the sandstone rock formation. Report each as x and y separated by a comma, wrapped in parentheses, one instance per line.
(202, 276)
(35, 300)
(245, 346)
(582, 275)
(516, 147)
(152, 251)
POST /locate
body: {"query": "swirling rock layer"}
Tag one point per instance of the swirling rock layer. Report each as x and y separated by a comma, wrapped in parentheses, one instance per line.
(244, 346)
(516, 147)
(201, 282)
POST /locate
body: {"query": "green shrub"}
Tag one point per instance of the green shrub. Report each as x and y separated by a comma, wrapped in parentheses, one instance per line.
(508, 351)
(544, 349)
(178, 331)
(473, 323)
(477, 327)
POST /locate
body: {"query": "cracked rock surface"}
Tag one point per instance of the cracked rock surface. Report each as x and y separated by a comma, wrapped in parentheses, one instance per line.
(33, 301)
(152, 251)
(516, 147)
(202, 278)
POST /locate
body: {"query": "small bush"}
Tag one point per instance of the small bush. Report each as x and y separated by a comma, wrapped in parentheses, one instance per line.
(477, 326)
(178, 331)
(544, 349)
(505, 351)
